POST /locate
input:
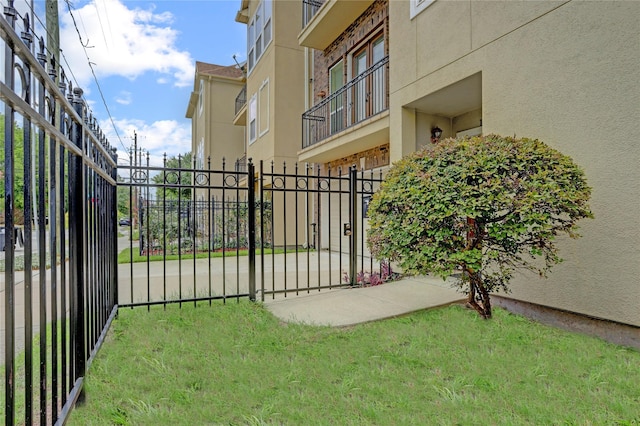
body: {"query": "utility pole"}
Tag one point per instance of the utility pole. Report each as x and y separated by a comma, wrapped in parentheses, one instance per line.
(53, 29)
(134, 201)
(53, 46)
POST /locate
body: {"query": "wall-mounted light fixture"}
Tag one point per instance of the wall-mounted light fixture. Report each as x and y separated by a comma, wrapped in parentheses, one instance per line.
(436, 132)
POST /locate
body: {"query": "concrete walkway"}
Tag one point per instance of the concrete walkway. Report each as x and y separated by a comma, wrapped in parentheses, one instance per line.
(344, 307)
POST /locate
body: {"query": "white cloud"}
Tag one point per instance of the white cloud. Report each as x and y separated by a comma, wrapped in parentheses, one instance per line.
(165, 136)
(122, 41)
(124, 98)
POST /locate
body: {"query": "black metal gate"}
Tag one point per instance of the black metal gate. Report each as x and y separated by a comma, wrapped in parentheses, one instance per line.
(186, 234)
(193, 233)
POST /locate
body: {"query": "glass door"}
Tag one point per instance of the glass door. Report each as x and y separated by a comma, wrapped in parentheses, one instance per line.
(378, 80)
(360, 87)
(336, 103)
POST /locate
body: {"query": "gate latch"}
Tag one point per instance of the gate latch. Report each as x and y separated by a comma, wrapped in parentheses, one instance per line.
(346, 229)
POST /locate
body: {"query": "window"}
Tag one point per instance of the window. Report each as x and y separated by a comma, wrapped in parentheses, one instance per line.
(200, 154)
(263, 108)
(369, 91)
(251, 43)
(417, 6)
(259, 33)
(336, 106)
(253, 116)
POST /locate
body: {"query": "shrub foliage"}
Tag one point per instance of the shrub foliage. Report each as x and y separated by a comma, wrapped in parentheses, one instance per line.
(484, 206)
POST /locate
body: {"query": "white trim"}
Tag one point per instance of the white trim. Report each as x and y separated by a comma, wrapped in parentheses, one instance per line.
(268, 112)
(252, 113)
(417, 6)
(264, 17)
(201, 97)
(200, 153)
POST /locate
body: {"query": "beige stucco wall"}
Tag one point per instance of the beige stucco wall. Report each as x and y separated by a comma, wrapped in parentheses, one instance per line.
(213, 123)
(566, 73)
(222, 138)
(263, 147)
(289, 101)
(282, 64)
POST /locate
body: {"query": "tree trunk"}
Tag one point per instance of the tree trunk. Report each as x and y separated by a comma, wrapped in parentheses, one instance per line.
(478, 295)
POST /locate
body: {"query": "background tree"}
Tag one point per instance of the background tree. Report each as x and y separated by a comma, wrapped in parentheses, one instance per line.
(18, 156)
(485, 206)
(124, 199)
(175, 170)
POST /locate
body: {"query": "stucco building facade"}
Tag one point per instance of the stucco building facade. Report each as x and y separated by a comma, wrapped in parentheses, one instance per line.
(564, 72)
(214, 136)
(275, 74)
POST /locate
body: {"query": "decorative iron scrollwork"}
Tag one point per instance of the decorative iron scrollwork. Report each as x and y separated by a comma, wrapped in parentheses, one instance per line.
(231, 181)
(323, 184)
(139, 176)
(301, 183)
(172, 178)
(201, 179)
(277, 182)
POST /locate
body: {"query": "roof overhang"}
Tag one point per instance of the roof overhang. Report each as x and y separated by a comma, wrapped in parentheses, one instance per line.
(333, 17)
(193, 101)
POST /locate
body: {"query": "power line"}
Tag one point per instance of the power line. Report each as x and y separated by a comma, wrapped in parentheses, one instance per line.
(69, 68)
(104, 36)
(95, 78)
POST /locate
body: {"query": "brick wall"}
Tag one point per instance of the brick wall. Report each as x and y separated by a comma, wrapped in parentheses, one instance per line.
(375, 157)
(372, 20)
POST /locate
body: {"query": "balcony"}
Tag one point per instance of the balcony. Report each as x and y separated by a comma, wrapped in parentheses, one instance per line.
(309, 10)
(360, 99)
(324, 21)
(241, 108)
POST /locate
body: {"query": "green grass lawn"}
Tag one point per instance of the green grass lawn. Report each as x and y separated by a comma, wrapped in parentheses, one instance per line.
(125, 255)
(238, 364)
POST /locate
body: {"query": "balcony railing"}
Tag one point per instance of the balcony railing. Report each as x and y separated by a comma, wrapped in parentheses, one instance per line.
(241, 99)
(361, 98)
(309, 9)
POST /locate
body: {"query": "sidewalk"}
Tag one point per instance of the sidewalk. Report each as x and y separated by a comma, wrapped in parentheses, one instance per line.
(344, 307)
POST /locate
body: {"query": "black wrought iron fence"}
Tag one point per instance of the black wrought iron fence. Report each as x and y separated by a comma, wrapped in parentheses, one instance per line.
(190, 234)
(58, 290)
(204, 225)
(318, 218)
(228, 234)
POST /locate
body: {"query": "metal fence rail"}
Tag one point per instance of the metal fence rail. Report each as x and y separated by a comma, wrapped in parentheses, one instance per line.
(205, 234)
(318, 219)
(58, 289)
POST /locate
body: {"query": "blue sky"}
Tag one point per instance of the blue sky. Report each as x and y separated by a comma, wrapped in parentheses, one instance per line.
(144, 55)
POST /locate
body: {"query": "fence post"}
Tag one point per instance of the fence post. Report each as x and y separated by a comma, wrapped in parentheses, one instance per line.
(9, 235)
(353, 220)
(76, 242)
(251, 186)
(114, 228)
